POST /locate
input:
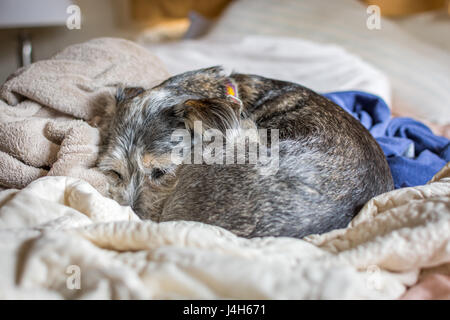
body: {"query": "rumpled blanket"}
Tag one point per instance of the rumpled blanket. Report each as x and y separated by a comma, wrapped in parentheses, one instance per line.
(58, 228)
(59, 238)
(42, 108)
(413, 152)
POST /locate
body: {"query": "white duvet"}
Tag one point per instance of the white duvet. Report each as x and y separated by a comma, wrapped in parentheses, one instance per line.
(59, 238)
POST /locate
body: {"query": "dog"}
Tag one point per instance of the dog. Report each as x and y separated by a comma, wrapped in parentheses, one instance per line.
(328, 165)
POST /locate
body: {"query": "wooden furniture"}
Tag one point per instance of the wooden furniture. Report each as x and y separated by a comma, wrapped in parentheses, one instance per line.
(406, 7)
(153, 12)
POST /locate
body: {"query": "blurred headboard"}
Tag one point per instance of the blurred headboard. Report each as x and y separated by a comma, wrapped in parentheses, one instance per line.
(153, 12)
(406, 7)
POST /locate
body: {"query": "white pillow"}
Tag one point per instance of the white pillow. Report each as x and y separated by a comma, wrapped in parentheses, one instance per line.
(320, 67)
(419, 73)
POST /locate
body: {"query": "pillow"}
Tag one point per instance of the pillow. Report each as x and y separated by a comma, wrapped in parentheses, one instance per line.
(419, 73)
(321, 67)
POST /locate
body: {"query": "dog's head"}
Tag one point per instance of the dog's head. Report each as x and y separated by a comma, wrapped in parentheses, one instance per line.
(139, 142)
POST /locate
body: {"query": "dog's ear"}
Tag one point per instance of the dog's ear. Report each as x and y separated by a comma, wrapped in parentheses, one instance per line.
(216, 71)
(125, 93)
(107, 110)
(220, 114)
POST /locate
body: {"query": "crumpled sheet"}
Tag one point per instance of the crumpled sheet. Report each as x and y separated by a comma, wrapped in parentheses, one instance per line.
(58, 228)
(321, 67)
(414, 153)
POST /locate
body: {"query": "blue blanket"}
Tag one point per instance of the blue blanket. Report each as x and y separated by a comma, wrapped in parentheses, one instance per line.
(413, 152)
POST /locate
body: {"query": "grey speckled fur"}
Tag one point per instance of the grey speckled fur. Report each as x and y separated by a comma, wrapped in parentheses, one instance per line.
(330, 165)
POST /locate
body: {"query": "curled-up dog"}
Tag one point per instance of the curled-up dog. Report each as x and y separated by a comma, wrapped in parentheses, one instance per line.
(316, 165)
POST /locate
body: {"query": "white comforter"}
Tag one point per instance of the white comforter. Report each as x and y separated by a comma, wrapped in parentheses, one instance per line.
(59, 238)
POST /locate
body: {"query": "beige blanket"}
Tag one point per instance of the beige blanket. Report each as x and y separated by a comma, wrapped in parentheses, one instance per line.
(40, 105)
(59, 238)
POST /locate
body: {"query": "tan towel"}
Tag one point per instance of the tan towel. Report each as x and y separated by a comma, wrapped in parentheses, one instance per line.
(41, 106)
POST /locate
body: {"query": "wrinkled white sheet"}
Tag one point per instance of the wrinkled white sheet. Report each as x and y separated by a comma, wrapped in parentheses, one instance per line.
(59, 224)
(321, 67)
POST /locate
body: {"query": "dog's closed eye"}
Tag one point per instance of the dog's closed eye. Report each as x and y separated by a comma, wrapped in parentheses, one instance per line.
(157, 173)
(116, 174)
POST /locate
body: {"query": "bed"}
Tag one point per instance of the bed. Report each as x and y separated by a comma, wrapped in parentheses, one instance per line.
(63, 238)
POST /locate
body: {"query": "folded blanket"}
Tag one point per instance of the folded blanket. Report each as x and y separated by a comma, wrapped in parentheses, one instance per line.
(41, 107)
(59, 238)
(413, 152)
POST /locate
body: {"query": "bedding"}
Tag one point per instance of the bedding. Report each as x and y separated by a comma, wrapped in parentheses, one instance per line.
(60, 226)
(321, 67)
(61, 239)
(41, 108)
(413, 152)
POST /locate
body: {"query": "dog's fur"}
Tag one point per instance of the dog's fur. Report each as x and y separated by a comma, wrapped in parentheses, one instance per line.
(329, 165)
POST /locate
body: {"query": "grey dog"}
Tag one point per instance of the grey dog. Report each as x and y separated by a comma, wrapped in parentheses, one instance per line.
(329, 165)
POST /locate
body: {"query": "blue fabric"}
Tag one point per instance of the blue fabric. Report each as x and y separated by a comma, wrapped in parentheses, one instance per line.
(413, 152)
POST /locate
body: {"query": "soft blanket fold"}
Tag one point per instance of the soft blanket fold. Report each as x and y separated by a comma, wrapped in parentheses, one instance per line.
(413, 152)
(60, 224)
(41, 107)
